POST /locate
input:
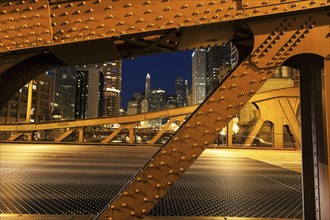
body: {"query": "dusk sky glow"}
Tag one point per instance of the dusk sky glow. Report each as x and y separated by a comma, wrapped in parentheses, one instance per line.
(163, 68)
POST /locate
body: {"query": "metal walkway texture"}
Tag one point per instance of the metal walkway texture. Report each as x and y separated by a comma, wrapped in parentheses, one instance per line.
(57, 180)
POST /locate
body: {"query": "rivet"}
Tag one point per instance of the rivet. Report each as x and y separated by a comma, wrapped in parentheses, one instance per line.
(174, 150)
(194, 156)
(176, 139)
(219, 119)
(207, 132)
(169, 183)
(186, 136)
(148, 11)
(230, 106)
(162, 163)
(253, 81)
(188, 125)
(149, 176)
(125, 193)
(206, 143)
(252, 91)
(151, 165)
(132, 213)
(157, 196)
(199, 123)
(124, 205)
(158, 185)
(170, 171)
(210, 110)
(145, 199)
(138, 179)
(144, 211)
(241, 104)
(112, 207)
(195, 145)
(164, 152)
(137, 191)
(181, 169)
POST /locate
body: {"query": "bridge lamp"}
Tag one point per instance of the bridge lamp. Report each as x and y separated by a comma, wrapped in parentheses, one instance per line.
(235, 127)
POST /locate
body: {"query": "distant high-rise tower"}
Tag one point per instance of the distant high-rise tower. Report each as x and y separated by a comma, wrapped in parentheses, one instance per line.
(179, 90)
(186, 93)
(89, 92)
(145, 101)
(198, 76)
(157, 100)
(147, 87)
(112, 87)
(64, 81)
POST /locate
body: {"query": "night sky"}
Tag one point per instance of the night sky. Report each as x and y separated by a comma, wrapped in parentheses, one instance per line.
(163, 68)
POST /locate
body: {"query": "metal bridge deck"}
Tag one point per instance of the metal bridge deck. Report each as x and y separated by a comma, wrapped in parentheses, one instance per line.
(81, 180)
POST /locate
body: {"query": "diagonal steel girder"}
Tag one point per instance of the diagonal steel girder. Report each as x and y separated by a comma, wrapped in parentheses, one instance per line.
(274, 43)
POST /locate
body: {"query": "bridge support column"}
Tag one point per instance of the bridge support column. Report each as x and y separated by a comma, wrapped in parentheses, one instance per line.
(81, 135)
(326, 169)
(314, 150)
(230, 134)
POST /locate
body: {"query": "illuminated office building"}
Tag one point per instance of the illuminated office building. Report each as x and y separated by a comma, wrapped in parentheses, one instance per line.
(16, 108)
(198, 76)
(112, 88)
(64, 90)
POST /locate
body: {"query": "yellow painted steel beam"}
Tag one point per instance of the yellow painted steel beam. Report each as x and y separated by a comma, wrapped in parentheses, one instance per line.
(65, 135)
(254, 132)
(69, 22)
(97, 121)
(129, 126)
(291, 118)
(164, 129)
(14, 137)
(289, 92)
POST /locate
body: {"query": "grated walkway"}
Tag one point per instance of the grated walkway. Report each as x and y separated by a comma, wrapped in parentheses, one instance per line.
(81, 180)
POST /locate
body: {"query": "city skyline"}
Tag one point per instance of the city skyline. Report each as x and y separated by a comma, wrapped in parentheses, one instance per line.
(163, 69)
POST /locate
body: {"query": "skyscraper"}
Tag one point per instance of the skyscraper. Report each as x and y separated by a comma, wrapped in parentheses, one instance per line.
(89, 92)
(198, 76)
(112, 87)
(148, 86)
(186, 93)
(145, 101)
(179, 90)
(64, 81)
(157, 100)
